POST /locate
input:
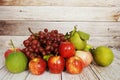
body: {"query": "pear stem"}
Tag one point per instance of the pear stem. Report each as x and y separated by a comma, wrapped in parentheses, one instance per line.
(75, 28)
(12, 44)
(73, 31)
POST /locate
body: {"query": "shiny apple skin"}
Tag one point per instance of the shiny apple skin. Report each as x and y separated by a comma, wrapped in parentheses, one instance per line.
(66, 49)
(74, 65)
(85, 56)
(37, 66)
(9, 51)
(56, 64)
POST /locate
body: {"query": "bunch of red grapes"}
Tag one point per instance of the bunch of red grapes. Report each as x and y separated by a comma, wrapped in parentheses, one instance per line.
(43, 43)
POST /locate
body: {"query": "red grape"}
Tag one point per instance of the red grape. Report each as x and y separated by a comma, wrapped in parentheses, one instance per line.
(43, 43)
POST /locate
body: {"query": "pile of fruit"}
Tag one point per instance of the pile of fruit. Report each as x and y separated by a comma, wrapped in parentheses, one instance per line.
(56, 52)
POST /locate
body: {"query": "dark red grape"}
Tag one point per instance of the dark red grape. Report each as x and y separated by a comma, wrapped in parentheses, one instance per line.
(47, 48)
(46, 30)
(35, 42)
(34, 46)
(43, 43)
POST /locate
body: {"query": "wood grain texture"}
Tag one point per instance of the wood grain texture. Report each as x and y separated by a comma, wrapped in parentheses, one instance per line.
(104, 3)
(95, 29)
(86, 74)
(57, 13)
(6, 75)
(2, 59)
(45, 76)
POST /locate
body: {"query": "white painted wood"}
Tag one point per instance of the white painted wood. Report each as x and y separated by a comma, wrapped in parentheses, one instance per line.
(6, 75)
(57, 13)
(86, 74)
(17, 40)
(26, 75)
(45, 76)
(2, 58)
(95, 29)
(3, 72)
(62, 2)
(108, 73)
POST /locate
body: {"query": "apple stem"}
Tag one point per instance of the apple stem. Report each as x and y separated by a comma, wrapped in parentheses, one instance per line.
(56, 54)
(12, 44)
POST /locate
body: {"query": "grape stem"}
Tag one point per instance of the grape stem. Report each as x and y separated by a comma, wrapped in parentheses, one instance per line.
(12, 44)
(30, 31)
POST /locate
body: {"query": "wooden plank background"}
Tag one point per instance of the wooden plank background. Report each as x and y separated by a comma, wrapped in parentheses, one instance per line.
(99, 18)
(104, 3)
(59, 13)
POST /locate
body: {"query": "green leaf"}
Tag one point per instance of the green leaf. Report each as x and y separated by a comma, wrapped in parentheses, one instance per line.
(83, 35)
(46, 57)
(67, 35)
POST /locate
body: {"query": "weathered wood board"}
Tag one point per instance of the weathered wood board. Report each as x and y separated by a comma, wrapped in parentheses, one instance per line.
(104, 3)
(95, 29)
(59, 13)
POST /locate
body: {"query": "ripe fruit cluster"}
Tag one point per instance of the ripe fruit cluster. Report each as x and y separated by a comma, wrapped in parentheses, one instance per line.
(57, 52)
(43, 43)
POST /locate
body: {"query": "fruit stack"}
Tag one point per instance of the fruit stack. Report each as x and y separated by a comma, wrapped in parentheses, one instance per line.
(56, 52)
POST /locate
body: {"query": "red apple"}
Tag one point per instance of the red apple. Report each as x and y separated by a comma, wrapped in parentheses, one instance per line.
(66, 49)
(9, 51)
(74, 65)
(56, 64)
(37, 66)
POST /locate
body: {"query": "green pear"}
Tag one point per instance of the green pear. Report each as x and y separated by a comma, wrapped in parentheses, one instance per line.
(83, 35)
(103, 56)
(77, 41)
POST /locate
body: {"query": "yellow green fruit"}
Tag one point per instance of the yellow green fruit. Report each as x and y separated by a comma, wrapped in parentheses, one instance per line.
(88, 48)
(103, 56)
(16, 62)
(77, 41)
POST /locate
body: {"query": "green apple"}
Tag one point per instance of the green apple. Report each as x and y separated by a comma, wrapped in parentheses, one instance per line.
(16, 62)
